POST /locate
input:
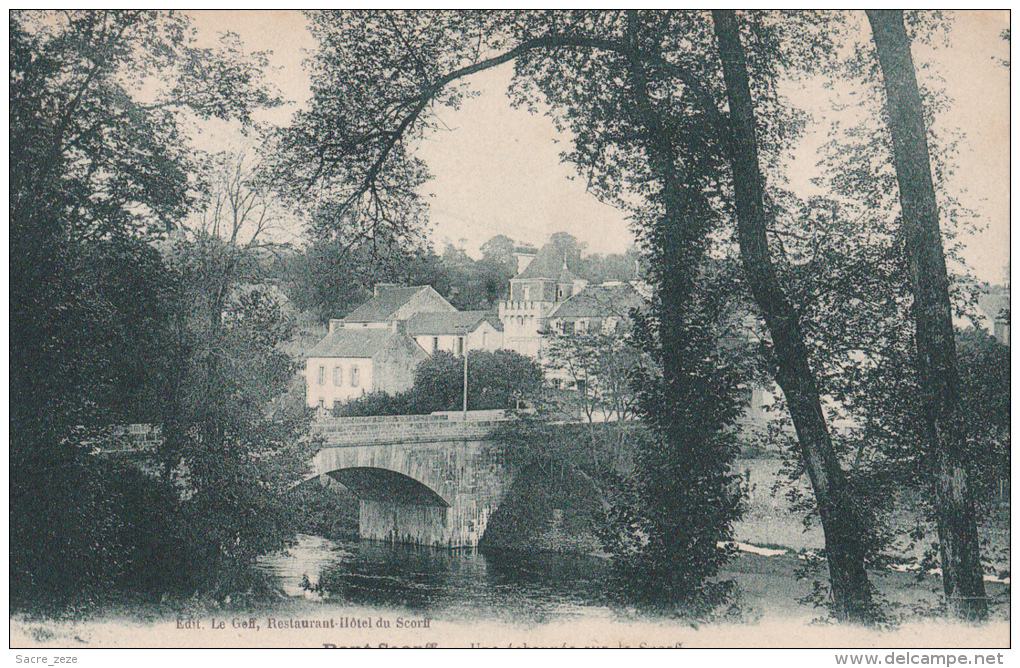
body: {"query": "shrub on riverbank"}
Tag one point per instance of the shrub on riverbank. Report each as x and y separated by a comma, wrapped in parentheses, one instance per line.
(554, 510)
(120, 534)
(330, 510)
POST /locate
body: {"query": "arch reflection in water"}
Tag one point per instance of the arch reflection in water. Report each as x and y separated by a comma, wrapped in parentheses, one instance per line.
(472, 584)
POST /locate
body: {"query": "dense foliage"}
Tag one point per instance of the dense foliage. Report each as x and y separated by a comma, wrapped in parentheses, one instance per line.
(332, 277)
(502, 379)
(107, 329)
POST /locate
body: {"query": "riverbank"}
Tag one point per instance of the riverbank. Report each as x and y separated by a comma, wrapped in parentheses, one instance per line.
(373, 594)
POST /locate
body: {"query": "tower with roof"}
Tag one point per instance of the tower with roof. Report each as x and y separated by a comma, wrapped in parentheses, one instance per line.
(535, 293)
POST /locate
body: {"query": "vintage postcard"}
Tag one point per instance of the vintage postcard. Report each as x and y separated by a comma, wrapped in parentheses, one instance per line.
(511, 329)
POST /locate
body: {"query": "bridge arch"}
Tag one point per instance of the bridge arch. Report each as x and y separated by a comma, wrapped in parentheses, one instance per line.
(427, 465)
(438, 493)
(385, 485)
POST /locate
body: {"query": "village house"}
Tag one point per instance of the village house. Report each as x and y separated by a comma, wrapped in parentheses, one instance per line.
(991, 307)
(542, 284)
(477, 330)
(379, 345)
(547, 296)
(598, 308)
(391, 303)
(993, 311)
(351, 362)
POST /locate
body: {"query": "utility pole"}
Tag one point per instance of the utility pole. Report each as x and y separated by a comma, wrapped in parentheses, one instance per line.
(464, 349)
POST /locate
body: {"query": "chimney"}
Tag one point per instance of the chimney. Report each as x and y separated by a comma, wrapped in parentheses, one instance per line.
(379, 287)
(524, 258)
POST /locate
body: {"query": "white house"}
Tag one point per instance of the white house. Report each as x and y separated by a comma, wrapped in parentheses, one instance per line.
(447, 331)
(378, 346)
(351, 362)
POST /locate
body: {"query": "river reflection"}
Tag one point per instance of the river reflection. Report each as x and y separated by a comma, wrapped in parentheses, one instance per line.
(535, 588)
(469, 584)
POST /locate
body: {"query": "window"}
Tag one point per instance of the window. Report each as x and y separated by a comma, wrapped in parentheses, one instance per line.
(322, 404)
(322, 375)
(484, 336)
(354, 376)
(568, 326)
(435, 343)
(527, 293)
(460, 345)
(338, 376)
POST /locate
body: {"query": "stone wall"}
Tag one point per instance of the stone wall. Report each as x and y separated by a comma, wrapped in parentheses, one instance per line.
(394, 366)
(406, 428)
(467, 479)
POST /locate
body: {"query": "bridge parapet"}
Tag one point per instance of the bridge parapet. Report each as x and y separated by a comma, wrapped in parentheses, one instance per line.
(436, 427)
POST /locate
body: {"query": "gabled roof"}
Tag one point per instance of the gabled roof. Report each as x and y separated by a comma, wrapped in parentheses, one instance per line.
(363, 343)
(382, 307)
(450, 323)
(600, 301)
(549, 264)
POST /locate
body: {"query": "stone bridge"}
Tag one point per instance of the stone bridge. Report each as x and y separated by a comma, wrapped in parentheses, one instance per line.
(422, 479)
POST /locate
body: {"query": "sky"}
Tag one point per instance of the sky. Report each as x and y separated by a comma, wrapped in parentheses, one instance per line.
(497, 170)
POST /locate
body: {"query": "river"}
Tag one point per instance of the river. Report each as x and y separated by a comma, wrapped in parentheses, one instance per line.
(532, 588)
(467, 596)
(454, 585)
(538, 587)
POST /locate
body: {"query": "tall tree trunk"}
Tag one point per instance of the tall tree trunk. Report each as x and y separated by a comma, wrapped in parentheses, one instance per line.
(844, 542)
(936, 344)
(685, 470)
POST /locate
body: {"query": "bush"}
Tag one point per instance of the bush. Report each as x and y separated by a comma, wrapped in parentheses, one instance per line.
(85, 529)
(496, 380)
(378, 403)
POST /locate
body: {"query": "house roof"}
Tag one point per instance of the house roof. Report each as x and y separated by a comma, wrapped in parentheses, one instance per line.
(363, 343)
(600, 301)
(450, 323)
(383, 306)
(567, 276)
(549, 264)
